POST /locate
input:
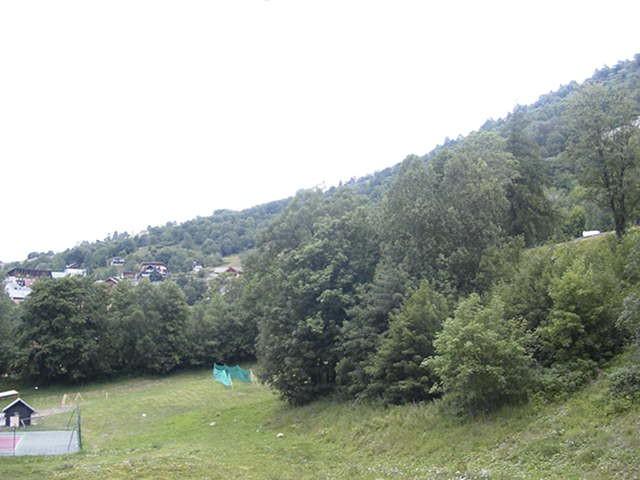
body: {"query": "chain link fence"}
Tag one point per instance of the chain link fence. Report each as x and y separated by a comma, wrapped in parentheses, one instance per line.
(51, 432)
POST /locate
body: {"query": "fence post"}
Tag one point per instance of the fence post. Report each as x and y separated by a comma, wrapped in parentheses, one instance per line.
(14, 441)
(79, 430)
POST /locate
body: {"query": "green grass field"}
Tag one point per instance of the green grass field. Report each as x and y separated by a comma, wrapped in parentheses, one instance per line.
(232, 261)
(195, 428)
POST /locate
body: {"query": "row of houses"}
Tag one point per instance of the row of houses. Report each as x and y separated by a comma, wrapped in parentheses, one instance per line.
(18, 282)
(152, 271)
(157, 272)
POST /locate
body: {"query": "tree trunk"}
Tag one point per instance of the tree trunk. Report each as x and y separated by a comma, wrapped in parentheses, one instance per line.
(620, 227)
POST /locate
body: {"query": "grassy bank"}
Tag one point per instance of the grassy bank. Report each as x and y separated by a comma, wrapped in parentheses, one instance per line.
(194, 428)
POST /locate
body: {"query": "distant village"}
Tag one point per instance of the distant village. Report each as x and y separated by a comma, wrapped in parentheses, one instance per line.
(18, 282)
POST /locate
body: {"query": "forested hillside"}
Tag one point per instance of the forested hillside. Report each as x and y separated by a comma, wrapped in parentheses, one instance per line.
(450, 275)
(431, 292)
(204, 239)
(544, 157)
(549, 124)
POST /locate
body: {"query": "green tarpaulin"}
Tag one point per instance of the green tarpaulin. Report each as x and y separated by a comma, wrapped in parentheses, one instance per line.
(226, 374)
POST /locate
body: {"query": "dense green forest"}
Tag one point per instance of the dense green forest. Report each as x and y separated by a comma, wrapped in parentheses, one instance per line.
(450, 275)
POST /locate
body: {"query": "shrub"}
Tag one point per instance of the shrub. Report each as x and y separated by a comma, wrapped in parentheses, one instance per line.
(629, 319)
(563, 378)
(481, 358)
(632, 267)
(582, 322)
(625, 382)
(526, 295)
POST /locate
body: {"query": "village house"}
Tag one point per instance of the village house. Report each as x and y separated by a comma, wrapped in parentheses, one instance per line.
(116, 279)
(18, 281)
(112, 281)
(26, 276)
(70, 271)
(117, 262)
(153, 271)
(227, 270)
(128, 275)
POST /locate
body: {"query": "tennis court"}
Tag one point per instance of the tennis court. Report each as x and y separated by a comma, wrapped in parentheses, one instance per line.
(55, 431)
(8, 442)
(50, 442)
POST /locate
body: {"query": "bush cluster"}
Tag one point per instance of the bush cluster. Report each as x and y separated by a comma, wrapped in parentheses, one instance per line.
(625, 382)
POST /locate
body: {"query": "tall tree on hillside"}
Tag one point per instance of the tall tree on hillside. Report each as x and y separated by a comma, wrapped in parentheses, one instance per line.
(530, 212)
(64, 334)
(221, 328)
(149, 326)
(8, 324)
(308, 274)
(368, 320)
(166, 314)
(127, 327)
(605, 141)
(438, 219)
(398, 374)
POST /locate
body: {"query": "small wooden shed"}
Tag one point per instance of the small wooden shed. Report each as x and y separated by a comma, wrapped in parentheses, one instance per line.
(18, 408)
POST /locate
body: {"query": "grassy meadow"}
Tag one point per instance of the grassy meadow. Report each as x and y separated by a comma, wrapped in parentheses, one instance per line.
(195, 428)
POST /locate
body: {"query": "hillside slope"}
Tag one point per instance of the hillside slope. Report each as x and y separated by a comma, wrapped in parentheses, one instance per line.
(194, 428)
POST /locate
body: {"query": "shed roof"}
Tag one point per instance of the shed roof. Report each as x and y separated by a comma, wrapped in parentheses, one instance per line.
(18, 400)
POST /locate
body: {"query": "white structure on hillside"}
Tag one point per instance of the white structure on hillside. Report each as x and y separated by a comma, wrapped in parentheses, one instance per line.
(70, 272)
(18, 281)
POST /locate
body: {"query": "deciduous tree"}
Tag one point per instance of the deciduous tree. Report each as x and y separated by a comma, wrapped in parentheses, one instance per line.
(605, 141)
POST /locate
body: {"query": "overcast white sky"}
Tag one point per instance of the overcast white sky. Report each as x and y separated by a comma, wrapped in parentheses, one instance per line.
(115, 115)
